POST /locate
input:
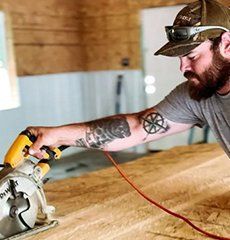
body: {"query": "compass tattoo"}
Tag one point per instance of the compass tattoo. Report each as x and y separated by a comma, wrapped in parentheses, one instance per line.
(154, 123)
(101, 132)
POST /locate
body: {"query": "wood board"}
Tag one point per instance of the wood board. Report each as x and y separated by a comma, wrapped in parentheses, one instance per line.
(191, 180)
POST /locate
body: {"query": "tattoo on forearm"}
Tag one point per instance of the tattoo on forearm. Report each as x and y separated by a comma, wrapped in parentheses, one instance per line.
(154, 123)
(80, 143)
(101, 132)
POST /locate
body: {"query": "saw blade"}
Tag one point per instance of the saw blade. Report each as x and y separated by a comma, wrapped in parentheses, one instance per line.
(18, 204)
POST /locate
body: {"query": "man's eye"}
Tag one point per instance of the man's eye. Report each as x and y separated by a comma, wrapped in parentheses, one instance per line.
(191, 57)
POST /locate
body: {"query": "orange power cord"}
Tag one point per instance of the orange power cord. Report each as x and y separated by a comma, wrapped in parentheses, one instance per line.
(158, 205)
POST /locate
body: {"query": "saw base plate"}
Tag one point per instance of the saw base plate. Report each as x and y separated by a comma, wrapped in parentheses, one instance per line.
(35, 230)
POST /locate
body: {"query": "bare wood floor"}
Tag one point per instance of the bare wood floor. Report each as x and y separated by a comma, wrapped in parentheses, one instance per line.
(192, 180)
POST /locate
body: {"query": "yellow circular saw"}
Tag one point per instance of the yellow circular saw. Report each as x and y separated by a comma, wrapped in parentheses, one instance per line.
(23, 206)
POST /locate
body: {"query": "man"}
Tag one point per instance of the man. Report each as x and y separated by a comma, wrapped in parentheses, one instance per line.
(200, 37)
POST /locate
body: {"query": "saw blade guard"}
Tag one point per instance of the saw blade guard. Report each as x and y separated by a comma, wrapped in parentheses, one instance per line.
(22, 201)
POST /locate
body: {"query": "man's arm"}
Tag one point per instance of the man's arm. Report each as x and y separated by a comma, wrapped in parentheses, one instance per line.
(111, 133)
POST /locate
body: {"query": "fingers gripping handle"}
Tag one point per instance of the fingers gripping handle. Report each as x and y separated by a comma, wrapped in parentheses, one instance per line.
(19, 150)
(50, 154)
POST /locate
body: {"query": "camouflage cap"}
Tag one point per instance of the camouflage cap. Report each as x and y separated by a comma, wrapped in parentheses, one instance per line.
(199, 13)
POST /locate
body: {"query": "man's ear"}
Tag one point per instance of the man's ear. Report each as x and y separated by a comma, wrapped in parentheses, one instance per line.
(225, 45)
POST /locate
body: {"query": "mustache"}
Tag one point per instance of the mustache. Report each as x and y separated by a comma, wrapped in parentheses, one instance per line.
(190, 74)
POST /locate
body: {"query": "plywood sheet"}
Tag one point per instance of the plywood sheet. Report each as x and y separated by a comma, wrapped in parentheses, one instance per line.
(192, 180)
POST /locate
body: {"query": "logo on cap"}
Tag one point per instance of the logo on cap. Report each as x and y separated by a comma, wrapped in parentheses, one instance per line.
(184, 18)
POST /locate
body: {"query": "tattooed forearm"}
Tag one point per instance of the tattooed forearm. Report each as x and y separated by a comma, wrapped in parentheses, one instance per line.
(102, 132)
(154, 123)
(80, 143)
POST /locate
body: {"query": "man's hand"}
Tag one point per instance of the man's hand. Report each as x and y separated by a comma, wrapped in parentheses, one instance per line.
(46, 136)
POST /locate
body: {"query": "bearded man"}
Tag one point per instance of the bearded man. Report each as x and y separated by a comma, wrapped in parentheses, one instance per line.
(200, 37)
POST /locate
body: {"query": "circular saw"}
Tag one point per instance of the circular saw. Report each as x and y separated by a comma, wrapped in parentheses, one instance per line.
(23, 206)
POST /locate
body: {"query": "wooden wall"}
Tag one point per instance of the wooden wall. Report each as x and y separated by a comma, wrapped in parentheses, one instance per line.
(47, 35)
(112, 31)
(53, 36)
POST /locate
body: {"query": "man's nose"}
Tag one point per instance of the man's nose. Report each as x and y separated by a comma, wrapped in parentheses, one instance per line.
(185, 64)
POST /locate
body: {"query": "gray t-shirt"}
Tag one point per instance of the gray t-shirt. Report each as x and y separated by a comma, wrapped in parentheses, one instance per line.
(214, 111)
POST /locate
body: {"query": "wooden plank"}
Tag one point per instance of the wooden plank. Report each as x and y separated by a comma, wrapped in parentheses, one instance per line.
(191, 180)
(134, 35)
(48, 59)
(116, 52)
(139, 4)
(93, 24)
(42, 37)
(118, 37)
(89, 8)
(94, 38)
(134, 19)
(44, 22)
(117, 7)
(43, 7)
(96, 57)
(114, 22)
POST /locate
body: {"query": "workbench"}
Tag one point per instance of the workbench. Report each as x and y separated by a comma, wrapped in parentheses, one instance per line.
(191, 180)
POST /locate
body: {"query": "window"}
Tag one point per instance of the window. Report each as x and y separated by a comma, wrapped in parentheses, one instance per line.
(9, 93)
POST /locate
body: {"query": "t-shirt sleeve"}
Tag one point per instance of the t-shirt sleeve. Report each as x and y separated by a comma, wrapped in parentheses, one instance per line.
(179, 107)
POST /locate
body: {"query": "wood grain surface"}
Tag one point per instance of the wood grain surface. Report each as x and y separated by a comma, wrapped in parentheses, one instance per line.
(192, 180)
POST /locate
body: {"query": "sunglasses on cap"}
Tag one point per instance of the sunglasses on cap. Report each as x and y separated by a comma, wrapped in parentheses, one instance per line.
(177, 34)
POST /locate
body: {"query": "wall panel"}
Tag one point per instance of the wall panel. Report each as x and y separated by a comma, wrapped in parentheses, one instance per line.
(37, 59)
(93, 24)
(47, 36)
(115, 54)
(53, 36)
(96, 57)
(118, 37)
(121, 20)
(90, 38)
(43, 7)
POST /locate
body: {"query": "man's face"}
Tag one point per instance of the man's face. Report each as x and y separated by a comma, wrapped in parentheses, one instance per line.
(206, 70)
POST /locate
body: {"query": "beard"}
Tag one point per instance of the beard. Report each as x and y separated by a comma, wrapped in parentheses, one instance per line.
(203, 86)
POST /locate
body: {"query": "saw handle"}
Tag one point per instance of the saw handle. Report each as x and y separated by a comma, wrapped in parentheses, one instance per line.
(53, 154)
(50, 154)
(19, 150)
